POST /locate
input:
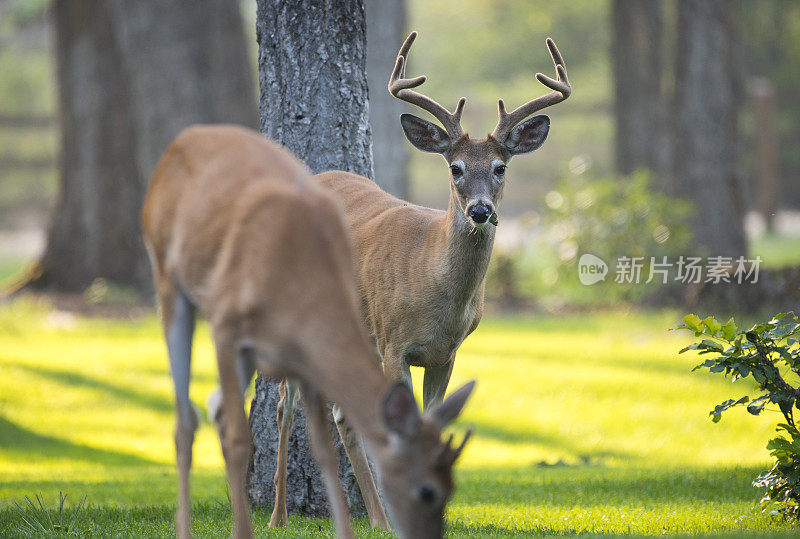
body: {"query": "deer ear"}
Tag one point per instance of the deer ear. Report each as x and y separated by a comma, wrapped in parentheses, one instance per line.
(424, 135)
(399, 412)
(528, 135)
(444, 413)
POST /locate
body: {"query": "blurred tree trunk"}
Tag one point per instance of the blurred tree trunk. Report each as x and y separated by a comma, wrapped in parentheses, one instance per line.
(312, 62)
(638, 62)
(386, 30)
(131, 75)
(766, 180)
(707, 101)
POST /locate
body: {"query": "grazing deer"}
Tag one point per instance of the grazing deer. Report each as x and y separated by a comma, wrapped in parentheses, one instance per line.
(421, 271)
(236, 229)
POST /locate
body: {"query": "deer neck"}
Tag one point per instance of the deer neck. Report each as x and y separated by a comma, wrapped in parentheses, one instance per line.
(361, 407)
(467, 251)
(342, 359)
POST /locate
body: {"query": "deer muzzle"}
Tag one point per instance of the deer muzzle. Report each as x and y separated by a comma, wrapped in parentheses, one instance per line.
(480, 212)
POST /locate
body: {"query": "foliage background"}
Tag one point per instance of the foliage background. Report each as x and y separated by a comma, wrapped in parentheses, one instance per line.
(482, 50)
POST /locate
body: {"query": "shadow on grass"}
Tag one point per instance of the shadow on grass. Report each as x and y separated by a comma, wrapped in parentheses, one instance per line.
(587, 486)
(23, 443)
(120, 392)
(636, 365)
(520, 436)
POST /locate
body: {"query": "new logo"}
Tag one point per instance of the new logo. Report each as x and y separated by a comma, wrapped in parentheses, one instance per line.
(591, 269)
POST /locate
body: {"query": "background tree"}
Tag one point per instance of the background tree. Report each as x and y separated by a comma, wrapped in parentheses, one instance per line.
(689, 138)
(637, 56)
(707, 102)
(312, 62)
(386, 29)
(770, 39)
(131, 75)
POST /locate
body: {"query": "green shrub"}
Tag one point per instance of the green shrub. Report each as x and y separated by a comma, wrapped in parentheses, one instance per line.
(613, 217)
(607, 217)
(769, 353)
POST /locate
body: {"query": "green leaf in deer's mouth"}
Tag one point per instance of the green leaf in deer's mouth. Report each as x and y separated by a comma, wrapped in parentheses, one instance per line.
(493, 219)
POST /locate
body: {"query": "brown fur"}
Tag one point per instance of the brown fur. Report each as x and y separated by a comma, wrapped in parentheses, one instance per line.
(234, 223)
(420, 271)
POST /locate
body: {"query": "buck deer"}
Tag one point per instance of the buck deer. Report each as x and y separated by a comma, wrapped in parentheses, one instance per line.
(236, 229)
(421, 271)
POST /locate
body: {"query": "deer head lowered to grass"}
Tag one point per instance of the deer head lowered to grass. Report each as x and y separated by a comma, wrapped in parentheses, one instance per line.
(236, 230)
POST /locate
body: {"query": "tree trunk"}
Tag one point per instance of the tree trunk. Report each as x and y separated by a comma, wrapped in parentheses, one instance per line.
(386, 30)
(637, 58)
(707, 101)
(131, 75)
(312, 60)
(762, 96)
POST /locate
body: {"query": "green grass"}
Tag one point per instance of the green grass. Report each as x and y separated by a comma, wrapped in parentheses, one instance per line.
(776, 251)
(585, 424)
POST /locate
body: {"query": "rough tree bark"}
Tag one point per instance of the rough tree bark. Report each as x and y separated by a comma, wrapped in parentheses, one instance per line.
(132, 74)
(638, 61)
(386, 30)
(707, 101)
(312, 59)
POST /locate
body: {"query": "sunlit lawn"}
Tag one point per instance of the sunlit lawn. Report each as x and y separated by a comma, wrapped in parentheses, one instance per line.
(584, 423)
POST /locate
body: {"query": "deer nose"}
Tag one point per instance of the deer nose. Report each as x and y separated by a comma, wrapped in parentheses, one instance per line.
(480, 212)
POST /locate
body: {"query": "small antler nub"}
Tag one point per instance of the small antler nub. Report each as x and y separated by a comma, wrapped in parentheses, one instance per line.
(447, 455)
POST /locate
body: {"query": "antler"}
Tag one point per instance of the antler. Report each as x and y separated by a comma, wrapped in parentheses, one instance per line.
(447, 454)
(400, 87)
(561, 90)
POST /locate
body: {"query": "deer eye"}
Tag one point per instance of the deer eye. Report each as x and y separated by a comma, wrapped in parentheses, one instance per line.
(456, 170)
(427, 494)
(499, 170)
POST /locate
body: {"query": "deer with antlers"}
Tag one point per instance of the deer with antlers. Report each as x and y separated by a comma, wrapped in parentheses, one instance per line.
(421, 271)
(237, 230)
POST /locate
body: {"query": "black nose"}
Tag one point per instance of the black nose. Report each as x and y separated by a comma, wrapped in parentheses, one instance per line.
(479, 213)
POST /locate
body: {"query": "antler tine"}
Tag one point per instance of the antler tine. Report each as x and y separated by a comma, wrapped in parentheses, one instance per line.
(400, 87)
(561, 89)
(447, 454)
(460, 448)
(444, 449)
(449, 441)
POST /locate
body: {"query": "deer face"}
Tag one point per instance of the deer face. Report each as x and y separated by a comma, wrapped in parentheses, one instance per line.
(477, 166)
(415, 465)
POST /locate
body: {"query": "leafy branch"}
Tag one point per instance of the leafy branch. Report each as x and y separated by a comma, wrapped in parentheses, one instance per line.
(760, 352)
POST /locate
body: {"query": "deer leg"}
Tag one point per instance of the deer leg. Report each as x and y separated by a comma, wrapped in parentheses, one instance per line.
(178, 313)
(322, 446)
(286, 408)
(434, 384)
(355, 452)
(236, 440)
(245, 368)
